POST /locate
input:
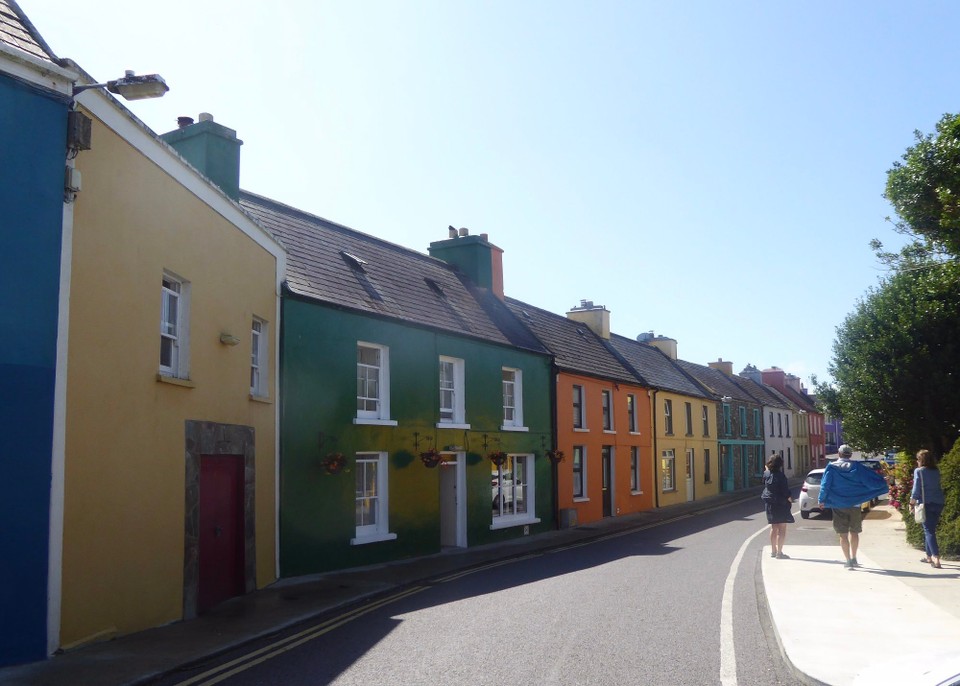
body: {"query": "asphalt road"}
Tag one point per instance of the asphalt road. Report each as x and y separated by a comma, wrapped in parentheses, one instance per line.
(646, 607)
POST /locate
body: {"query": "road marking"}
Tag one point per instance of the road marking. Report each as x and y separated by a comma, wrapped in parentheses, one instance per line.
(244, 663)
(728, 657)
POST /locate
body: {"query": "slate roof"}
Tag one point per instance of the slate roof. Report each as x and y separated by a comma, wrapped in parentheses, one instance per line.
(334, 264)
(768, 395)
(16, 30)
(717, 381)
(655, 368)
(576, 348)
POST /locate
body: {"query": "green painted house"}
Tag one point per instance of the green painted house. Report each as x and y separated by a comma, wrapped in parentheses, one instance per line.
(415, 407)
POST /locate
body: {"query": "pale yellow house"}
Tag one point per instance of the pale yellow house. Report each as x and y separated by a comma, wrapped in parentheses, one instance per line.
(169, 467)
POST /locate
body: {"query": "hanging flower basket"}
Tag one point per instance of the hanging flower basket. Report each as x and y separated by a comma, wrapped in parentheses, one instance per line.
(498, 458)
(556, 456)
(431, 458)
(333, 463)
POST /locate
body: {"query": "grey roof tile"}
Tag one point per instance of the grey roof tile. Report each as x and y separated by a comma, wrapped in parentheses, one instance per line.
(575, 347)
(387, 280)
(16, 30)
(717, 381)
(655, 367)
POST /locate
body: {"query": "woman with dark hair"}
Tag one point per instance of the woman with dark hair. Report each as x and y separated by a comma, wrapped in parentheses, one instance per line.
(927, 490)
(778, 501)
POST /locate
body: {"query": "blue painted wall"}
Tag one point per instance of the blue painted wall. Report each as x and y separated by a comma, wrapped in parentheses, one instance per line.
(32, 155)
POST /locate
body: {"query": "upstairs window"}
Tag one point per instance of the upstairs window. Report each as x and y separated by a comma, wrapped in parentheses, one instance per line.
(512, 384)
(606, 406)
(258, 359)
(174, 326)
(668, 417)
(688, 415)
(451, 391)
(632, 412)
(579, 420)
(771, 425)
(743, 420)
(727, 423)
(373, 382)
(787, 418)
(757, 429)
(706, 420)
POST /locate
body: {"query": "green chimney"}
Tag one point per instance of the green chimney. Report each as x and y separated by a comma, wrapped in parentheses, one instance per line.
(213, 149)
(474, 256)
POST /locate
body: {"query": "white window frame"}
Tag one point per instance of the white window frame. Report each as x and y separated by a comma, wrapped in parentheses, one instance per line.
(177, 289)
(632, 424)
(706, 421)
(636, 483)
(380, 416)
(379, 530)
(521, 463)
(259, 359)
(668, 471)
(668, 416)
(516, 423)
(457, 420)
(606, 410)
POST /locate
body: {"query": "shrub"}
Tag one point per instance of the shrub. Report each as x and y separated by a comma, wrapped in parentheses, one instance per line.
(948, 533)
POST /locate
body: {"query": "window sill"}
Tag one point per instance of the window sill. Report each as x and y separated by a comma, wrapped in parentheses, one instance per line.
(513, 428)
(609, 431)
(377, 538)
(636, 492)
(176, 381)
(374, 422)
(509, 522)
(669, 490)
(261, 399)
(581, 430)
(451, 425)
(635, 433)
(581, 500)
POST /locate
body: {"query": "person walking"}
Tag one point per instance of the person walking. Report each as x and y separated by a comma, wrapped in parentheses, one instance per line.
(778, 502)
(927, 491)
(845, 486)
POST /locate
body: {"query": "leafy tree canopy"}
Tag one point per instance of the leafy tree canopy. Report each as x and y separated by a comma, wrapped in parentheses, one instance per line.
(924, 190)
(897, 363)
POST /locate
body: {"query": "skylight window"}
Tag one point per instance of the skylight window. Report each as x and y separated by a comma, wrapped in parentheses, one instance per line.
(435, 287)
(353, 261)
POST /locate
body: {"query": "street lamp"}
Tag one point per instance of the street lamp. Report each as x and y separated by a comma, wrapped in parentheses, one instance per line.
(131, 86)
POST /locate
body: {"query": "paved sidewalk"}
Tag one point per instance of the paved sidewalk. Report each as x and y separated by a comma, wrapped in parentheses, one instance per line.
(893, 588)
(835, 624)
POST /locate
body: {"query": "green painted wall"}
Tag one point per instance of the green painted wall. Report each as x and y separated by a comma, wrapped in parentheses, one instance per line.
(318, 394)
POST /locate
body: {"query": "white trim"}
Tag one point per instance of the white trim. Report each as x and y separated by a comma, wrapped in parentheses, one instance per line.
(59, 444)
(382, 414)
(501, 524)
(37, 71)
(380, 530)
(514, 428)
(448, 425)
(363, 540)
(374, 422)
(116, 117)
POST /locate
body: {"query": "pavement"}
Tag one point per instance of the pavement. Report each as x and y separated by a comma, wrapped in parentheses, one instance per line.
(826, 618)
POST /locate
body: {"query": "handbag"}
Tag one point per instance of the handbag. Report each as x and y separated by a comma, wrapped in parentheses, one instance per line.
(919, 510)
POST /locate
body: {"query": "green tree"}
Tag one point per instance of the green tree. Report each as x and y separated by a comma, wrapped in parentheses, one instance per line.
(924, 190)
(896, 363)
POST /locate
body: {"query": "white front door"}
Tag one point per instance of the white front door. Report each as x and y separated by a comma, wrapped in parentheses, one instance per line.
(689, 474)
(453, 510)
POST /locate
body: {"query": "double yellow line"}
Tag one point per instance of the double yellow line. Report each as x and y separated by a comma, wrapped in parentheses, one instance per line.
(241, 664)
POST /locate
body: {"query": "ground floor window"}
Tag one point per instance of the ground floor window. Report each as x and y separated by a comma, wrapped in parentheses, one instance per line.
(706, 465)
(668, 470)
(635, 469)
(371, 499)
(579, 478)
(512, 486)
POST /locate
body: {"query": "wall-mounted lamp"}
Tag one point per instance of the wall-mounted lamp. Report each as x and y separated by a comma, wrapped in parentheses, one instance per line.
(228, 339)
(131, 86)
(802, 412)
(725, 398)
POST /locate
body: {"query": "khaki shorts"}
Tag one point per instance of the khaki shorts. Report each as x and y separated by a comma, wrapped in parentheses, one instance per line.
(847, 520)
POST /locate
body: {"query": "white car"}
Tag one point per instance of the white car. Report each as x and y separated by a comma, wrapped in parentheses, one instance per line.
(809, 493)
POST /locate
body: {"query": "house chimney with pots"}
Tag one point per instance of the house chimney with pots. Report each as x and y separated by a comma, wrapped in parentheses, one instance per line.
(213, 149)
(724, 366)
(595, 317)
(793, 382)
(751, 372)
(665, 344)
(775, 377)
(475, 256)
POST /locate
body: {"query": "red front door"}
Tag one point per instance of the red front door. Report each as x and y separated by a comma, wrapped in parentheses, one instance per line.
(221, 529)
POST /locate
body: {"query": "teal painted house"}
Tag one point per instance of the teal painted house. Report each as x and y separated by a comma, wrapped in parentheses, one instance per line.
(739, 424)
(415, 407)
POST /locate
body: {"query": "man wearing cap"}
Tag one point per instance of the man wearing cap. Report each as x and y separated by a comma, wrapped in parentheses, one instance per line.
(845, 486)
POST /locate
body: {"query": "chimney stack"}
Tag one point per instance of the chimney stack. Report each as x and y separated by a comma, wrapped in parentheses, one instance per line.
(724, 366)
(475, 256)
(213, 149)
(597, 318)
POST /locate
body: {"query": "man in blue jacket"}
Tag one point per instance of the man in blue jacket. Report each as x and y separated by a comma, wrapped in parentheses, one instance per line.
(844, 487)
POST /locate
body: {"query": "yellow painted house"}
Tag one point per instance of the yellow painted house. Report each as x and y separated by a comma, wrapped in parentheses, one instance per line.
(683, 414)
(169, 463)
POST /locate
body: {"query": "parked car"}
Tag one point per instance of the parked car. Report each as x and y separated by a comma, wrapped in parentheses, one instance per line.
(809, 492)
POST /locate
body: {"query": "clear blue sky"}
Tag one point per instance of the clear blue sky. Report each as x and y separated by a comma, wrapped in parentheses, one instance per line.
(712, 171)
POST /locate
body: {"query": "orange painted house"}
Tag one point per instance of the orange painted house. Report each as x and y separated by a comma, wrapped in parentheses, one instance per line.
(603, 417)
